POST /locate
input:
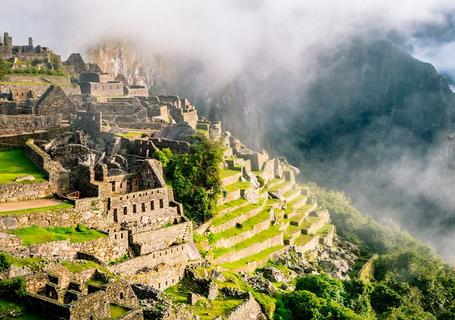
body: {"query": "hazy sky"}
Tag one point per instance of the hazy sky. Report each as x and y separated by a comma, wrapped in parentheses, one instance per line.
(227, 33)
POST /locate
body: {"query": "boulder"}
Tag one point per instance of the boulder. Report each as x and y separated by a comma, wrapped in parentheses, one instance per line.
(24, 178)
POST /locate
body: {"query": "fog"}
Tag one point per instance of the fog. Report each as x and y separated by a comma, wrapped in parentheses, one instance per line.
(261, 38)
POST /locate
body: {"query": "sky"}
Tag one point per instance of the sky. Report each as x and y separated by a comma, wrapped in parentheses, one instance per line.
(226, 34)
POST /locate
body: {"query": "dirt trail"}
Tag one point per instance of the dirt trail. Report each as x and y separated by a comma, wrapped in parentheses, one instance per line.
(28, 204)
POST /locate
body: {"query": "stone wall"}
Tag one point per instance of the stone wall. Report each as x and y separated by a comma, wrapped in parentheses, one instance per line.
(257, 247)
(90, 307)
(46, 306)
(324, 218)
(26, 123)
(89, 122)
(173, 255)
(249, 310)
(64, 218)
(153, 240)
(16, 191)
(103, 89)
(231, 179)
(161, 277)
(59, 178)
(176, 146)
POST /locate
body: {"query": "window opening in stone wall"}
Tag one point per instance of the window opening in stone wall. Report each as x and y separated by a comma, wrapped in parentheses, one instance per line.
(134, 208)
(161, 203)
(125, 210)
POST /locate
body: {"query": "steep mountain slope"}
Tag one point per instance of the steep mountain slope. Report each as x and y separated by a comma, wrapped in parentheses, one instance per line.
(365, 117)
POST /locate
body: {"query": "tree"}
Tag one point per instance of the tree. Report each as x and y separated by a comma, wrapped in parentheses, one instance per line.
(4, 69)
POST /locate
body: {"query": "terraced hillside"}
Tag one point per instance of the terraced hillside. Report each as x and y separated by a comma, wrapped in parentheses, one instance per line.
(254, 223)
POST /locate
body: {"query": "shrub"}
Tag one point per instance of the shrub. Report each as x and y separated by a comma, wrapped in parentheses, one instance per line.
(5, 262)
(81, 228)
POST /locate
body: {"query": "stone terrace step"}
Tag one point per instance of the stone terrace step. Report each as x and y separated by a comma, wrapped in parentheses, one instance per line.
(297, 216)
(230, 206)
(263, 240)
(274, 182)
(312, 225)
(306, 243)
(251, 263)
(285, 187)
(291, 233)
(231, 219)
(292, 194)
(298, 202)
(247, 225)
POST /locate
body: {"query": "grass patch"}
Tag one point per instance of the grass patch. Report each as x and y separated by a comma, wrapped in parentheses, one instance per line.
(14, 163)
(309, 222)
(303, 239)
(131, 134)
(258, 238)
(291, 192)
(57, 207)
(246, 226)
(34, 263)
(7, 308)
(326, 229)
(35, 235)
(117, 312)
(234, 203)
(224, 173)
(241, 185)
(297, 200)
(219, 220)
(256, 257)
(76, 267)
(206, 310)
(279, 186)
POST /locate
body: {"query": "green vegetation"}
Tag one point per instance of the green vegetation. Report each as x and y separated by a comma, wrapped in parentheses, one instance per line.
(258, 238)
(241, 185)
(245, 226)
(53, 208)
(219, 220)
(15, 163)
(6, 260)
(195, 177)
(132, 134)
(79, 266)
(231, 204)
(4, 69)
(35, 235)
(117, 311)
(258, 257)
(224, 173)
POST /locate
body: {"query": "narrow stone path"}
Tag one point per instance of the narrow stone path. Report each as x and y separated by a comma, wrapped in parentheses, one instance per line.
(28, 204)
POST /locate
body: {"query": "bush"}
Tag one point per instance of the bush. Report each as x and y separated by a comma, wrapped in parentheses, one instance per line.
(5, 262)
(12, 288)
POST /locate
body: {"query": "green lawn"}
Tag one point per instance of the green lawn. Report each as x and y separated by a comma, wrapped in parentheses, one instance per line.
(241, 185)
(15, 163)
(219, 220)
(35, 235)
(117, 311)
(256, 257)
(57, 207)
(326, 229)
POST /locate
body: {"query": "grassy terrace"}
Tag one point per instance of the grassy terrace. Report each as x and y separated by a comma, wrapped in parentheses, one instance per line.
(224, 173)
(117, 312)
(76, 267)
(235, 203)
(237, 186)
(15, 163)
(219, 220)
(35, 235)
(326, 229)
(10, 308)
(291, 192)
(291, 230)
(131, 134)
(279, 186)
(258, 238)
(303, 239)
(297, 200)
(256, 257)
(309, 222)
(204, 309)
(53, 208)
(246, 226)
